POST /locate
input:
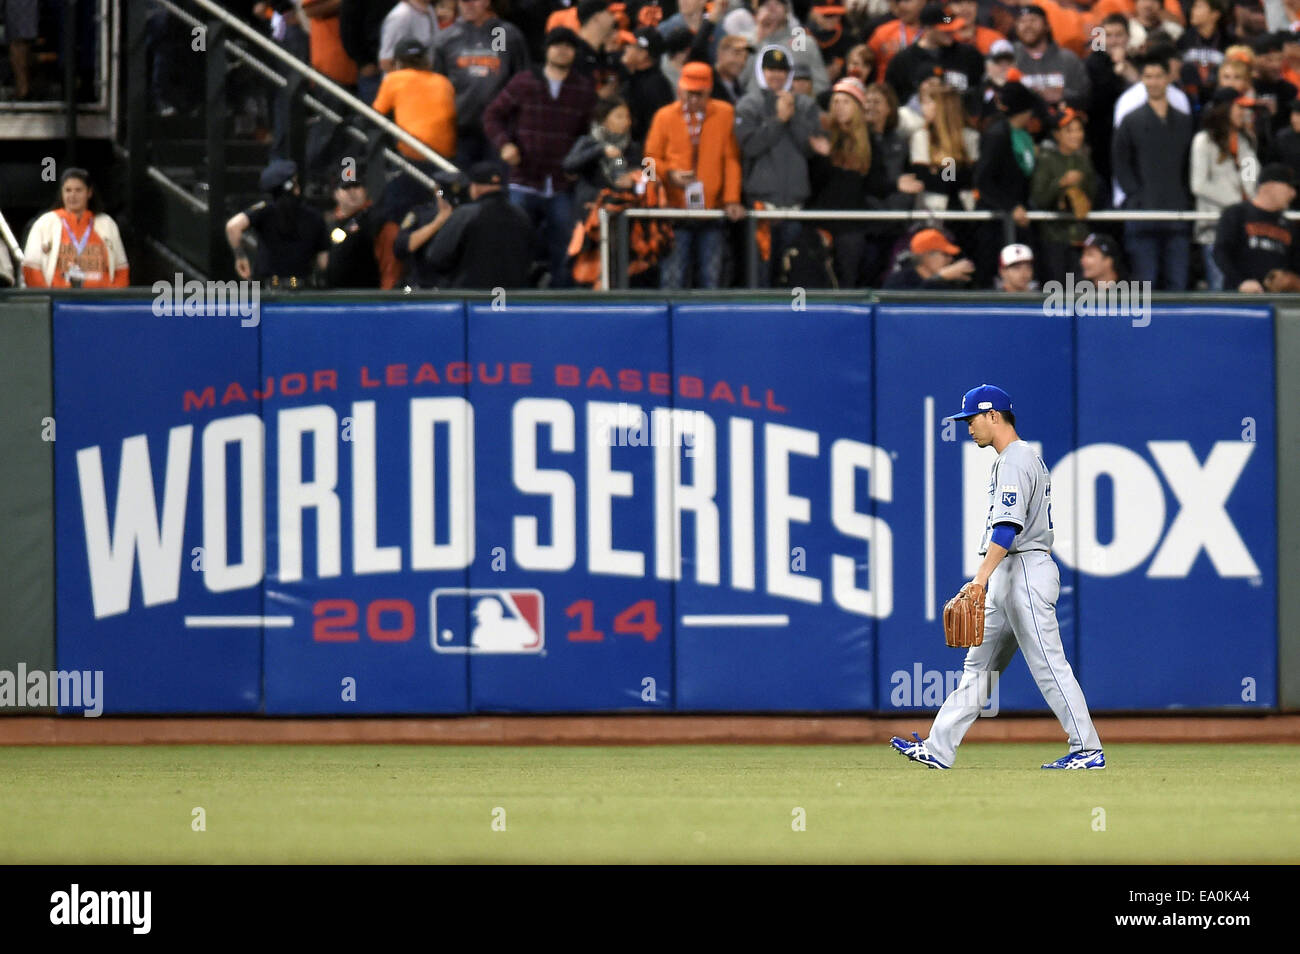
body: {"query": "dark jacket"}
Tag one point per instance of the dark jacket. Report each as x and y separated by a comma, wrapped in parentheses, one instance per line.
(1250, 243)
(728, 94)
(1201, 61)
(1287, 149)
(1149, 158)
(1002, 186)
(486, 244)
(596, 171)
(1047, 194)
(353, 262)
(961, 65)
(646, 92)
(1107, 87)
(1277, 91)
(420, 273)
(544, 129)
(596, 64)
(359, 26)
(837, 188)
(290, 234)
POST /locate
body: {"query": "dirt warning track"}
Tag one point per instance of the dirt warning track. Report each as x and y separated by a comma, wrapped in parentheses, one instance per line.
(617, 730)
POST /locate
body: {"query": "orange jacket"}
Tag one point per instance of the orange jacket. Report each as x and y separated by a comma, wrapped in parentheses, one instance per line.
(424, 104)
(668, 144)
(327, 53)
(889, 39)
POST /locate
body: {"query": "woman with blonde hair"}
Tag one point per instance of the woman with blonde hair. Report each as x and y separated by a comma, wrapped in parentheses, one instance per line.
(1235, 74)
(944, 150)
(848, 178)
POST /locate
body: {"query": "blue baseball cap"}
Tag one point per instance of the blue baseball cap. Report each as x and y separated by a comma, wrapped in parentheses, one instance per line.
(986, 397)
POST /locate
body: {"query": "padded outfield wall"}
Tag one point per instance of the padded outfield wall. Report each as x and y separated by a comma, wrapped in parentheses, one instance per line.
(435, 506)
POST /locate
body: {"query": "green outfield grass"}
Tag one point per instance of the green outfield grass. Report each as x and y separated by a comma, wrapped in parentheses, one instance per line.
(353, 803)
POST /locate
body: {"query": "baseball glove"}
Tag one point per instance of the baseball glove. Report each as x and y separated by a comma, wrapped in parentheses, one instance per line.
(963, 617)
(1280, 280)
(1078, 201)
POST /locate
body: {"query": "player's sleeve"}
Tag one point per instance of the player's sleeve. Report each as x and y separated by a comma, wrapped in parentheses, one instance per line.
(1004, 534)
(1015, 482)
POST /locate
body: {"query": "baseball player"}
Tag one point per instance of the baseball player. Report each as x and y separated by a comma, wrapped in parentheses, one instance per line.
(1022, 583)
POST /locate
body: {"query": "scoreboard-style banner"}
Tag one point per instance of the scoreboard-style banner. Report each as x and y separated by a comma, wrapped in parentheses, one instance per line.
(448, 508)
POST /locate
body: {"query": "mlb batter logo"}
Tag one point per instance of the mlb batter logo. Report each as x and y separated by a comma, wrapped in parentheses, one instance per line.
(487, 620)
(1008, 496)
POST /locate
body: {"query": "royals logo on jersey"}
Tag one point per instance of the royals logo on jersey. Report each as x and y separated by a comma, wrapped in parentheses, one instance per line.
(1008, 496)
(487, 620)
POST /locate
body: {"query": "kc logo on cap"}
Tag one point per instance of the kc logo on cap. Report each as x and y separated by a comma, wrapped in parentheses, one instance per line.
(976, 401)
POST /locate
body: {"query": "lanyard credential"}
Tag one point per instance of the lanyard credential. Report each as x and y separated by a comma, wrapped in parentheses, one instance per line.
(79, 245)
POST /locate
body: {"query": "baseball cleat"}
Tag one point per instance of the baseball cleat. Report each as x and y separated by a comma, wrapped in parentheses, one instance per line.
(1083, 759)
(916, 751)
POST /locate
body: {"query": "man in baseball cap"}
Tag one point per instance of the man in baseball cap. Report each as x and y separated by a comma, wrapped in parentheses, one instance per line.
(356, 257)
(292, 238)
(826, 24)
(561, 35)
(696, 78)
(1001, 51)
(1255, 247)
(1016, 269)
(693, 151)
(775, 58)
(1100, 259)
(933, 264)
(646, 90)
(961, 64)
(980, 400)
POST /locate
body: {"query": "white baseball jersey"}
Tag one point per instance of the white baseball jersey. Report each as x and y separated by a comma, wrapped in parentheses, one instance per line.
(1020, 493)
(1019, 612)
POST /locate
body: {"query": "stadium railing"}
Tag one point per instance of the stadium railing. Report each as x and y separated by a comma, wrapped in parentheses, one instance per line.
(614, 250)
(15, 250)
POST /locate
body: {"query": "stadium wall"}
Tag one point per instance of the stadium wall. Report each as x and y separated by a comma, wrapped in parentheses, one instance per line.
(26, 487)
(442, 506)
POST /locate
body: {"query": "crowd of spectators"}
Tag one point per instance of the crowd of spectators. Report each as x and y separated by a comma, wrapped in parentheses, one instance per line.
(1063, 106)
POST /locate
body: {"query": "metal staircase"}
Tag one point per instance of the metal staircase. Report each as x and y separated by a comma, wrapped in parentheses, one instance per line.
(187, 172)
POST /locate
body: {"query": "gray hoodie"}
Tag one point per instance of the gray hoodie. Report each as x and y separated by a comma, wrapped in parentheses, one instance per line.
(805, 52)
(775, 154)
(479, 61)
